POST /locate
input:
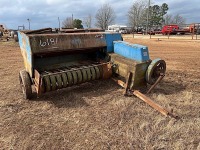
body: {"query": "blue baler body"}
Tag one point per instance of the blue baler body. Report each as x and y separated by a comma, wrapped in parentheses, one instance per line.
(132, 51)
(110, 38)
(34, 45)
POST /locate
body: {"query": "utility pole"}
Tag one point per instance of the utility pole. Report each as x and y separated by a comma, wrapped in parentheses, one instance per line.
(59, 22)
(29, 23)
(147, 25)
(72, 21)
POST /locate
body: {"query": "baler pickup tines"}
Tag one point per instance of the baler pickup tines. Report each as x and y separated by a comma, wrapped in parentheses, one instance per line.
(67, 76)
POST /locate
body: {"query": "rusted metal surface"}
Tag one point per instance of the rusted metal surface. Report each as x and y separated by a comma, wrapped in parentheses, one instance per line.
(39, 85)
(153, 104)
(38, 47)
(123, 66)
(107, 71)
(145, 99)
(81, 30)
(154, 85)
(150, 102)
(40, 31)
(119, 82)
(128, 83)
(42, 43)
(72, 30)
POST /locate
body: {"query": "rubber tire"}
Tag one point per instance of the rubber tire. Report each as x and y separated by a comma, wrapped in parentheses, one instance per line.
(25, 83)
(151, 69)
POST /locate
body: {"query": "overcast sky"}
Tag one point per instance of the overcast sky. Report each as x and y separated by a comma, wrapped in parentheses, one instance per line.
(45, 13)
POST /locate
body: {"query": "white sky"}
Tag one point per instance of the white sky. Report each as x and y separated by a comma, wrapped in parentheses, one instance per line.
(45, 13)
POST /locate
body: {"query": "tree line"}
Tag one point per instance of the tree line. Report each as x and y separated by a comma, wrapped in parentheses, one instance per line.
(140, 15)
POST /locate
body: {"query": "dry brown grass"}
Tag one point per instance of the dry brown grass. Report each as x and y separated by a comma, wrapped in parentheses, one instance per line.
(96, 115)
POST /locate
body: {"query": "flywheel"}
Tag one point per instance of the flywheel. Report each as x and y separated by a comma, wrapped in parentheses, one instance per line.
(155, 69)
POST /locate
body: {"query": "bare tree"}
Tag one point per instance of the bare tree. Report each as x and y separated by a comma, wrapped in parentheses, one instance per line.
(88, 21)
(105, 16)
(137, 13)
(68, 23)
(177, 19)
(168, 19)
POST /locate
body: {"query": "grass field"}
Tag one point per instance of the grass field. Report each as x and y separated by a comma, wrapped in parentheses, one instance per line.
(96, 115)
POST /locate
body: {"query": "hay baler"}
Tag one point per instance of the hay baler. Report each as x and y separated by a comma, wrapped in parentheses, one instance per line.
(55, 60)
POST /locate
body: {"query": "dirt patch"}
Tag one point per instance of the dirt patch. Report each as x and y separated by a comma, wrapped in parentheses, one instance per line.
(96, 115)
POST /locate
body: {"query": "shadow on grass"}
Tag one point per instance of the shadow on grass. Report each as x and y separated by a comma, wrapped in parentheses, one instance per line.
(75, 96)
(169, 87)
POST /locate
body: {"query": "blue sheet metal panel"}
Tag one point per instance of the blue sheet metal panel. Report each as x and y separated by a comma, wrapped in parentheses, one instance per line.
(26, 51)
(110, 37)
(132, 51)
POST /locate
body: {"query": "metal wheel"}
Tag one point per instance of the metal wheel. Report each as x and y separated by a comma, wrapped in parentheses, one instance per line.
(25, 83)
(155, 69)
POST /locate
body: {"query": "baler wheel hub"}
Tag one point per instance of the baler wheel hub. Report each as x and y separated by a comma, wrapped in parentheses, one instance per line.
(156, 69)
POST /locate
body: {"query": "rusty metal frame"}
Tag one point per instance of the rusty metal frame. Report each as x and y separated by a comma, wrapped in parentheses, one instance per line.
(157, 81)
(128, 84)
(143, 97)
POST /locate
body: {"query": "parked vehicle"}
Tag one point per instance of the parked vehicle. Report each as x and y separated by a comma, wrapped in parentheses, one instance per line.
(175, 29)
(170, 29)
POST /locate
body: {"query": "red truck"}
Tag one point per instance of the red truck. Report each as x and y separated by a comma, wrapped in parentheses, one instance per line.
(175, 29)
(170, 29)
